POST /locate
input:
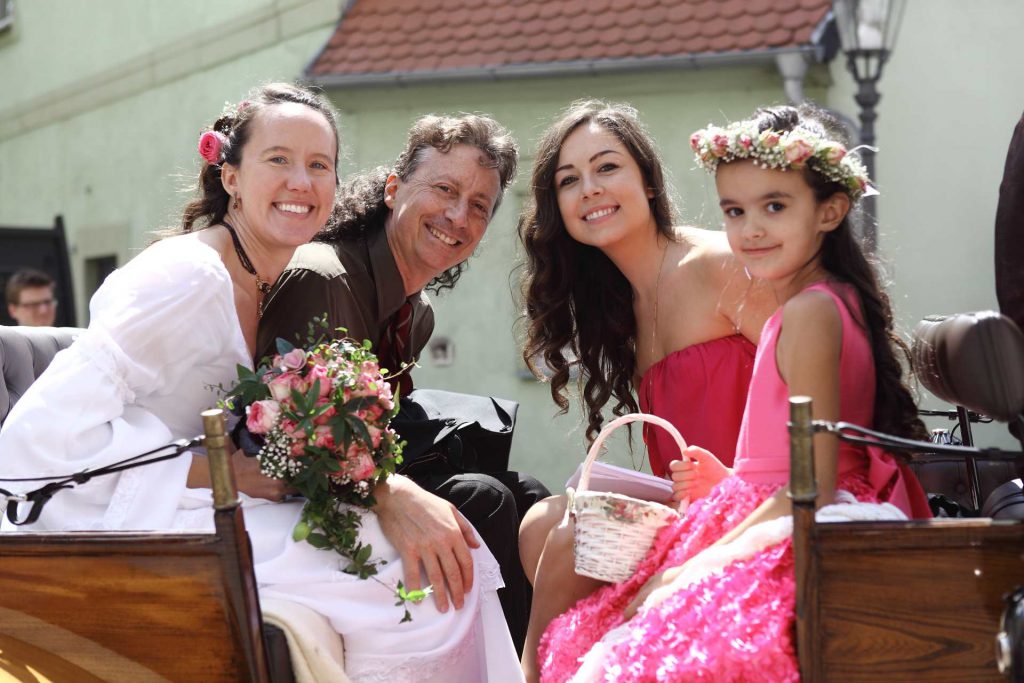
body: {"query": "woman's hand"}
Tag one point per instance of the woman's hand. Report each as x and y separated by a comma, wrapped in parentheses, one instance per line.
(696, 474)
(655, 582)
(250, 481)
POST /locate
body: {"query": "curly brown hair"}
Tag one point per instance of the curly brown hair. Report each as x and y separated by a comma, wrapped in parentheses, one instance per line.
(895, 411)
(211, 203)
(360, 203)
(576, 299)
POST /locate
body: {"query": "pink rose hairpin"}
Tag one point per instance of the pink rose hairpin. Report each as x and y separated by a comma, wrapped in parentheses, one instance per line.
(211, 146)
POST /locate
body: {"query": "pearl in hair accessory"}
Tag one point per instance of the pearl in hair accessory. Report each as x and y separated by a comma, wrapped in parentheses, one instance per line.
(798, 148)
(211, 146)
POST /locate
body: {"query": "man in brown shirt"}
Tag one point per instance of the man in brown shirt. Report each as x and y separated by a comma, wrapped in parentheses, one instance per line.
(395, 233)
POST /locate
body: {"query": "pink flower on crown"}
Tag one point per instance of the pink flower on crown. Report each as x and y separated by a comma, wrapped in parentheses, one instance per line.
(769, 139)
(211, 145)
(262, 416)
(798, 151)
(720, 145)
(695, 141)
(833, 154)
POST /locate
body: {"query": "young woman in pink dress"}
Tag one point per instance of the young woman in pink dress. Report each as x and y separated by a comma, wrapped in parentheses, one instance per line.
(654, 313)
(786, 187)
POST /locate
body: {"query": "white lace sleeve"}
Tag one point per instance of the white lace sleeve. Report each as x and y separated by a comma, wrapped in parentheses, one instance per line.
(93, 406)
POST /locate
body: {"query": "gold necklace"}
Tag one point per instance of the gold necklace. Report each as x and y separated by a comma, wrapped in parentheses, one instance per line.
(657, 292)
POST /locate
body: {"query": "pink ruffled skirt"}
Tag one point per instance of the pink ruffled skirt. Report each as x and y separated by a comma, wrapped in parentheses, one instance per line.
(734, 625)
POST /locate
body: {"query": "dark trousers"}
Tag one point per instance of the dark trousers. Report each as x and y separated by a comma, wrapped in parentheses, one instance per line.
(494, 504)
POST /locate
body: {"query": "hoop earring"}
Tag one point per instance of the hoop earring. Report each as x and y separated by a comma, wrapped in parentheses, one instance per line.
(237, 203)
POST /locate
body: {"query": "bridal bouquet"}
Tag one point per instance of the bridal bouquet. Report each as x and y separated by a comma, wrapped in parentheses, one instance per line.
(320, 420)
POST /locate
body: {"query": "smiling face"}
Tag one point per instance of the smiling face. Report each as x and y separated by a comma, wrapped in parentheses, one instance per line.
(601, 192)
(286, 180)
(774, 223)
(440, 212)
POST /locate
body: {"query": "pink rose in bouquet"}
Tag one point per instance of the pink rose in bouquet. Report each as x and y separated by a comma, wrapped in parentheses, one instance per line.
(262, 416)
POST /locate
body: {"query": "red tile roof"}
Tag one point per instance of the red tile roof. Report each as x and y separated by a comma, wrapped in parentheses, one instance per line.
(384, 39)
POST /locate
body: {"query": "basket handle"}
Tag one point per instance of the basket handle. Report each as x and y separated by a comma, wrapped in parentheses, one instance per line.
(595, 449)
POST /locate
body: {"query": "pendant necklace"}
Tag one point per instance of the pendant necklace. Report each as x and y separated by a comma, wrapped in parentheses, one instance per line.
(657, 288)
(262, 286)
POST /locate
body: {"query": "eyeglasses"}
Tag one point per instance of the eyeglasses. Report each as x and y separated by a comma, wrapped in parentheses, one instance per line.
(37, 305)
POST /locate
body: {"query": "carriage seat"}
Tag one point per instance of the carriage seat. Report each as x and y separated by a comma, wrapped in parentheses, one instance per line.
(974, 360)
(24, 353)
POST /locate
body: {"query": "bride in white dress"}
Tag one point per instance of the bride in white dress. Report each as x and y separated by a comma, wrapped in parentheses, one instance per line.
(165, 331)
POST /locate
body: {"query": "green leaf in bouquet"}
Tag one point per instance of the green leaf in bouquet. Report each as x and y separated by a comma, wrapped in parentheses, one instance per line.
(312, 395)
(245, 373)
(364, 554)
(360, 403)
(359, 427)
(284, 346)
(405, 595)
(300, 532)
(340, 431)
(318, 540)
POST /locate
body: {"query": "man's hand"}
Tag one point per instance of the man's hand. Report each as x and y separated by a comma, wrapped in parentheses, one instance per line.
(429, 530)
(696, 474)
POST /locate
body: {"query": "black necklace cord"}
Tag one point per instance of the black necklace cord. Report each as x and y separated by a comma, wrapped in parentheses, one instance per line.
(39, 497)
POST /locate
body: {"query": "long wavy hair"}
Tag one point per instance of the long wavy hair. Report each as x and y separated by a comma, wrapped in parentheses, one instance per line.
(210, 205)
(578, 305)
(360, 206)
(895, 411)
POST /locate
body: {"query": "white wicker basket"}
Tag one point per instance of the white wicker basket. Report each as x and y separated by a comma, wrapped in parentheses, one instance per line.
(613, 532)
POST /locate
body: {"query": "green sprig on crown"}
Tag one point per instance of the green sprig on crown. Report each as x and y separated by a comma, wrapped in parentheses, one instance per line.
(797, 148)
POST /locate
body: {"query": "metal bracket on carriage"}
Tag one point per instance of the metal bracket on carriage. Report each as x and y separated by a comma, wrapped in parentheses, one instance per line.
(39, 497)
(852, 433)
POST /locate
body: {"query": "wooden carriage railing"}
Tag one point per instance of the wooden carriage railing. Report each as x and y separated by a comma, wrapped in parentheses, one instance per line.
(895, 601)
(123, 606)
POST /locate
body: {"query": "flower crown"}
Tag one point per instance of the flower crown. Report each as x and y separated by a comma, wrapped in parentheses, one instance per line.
(770, 149)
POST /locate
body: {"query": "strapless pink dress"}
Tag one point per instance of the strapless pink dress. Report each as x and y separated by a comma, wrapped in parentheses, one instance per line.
(701, 390)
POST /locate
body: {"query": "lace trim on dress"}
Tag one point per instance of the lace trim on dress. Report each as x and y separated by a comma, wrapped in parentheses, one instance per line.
(383, 669)
(488, 572)
(98, 347)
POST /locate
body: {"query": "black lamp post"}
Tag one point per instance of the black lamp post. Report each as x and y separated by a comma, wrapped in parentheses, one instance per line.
(867, 33)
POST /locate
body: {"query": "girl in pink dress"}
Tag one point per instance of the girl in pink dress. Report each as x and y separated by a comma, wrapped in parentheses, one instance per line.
(645, 306)
(714, 598)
